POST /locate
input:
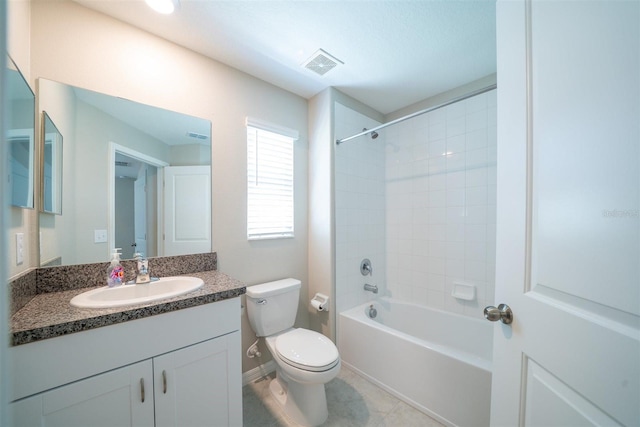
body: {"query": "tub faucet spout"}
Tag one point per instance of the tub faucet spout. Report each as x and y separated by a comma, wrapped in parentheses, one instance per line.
(371, 288)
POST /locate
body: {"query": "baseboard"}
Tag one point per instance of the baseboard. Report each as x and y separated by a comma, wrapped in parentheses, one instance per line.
(259, 372)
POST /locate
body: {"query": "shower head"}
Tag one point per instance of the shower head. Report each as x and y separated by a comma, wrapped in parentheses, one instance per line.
(373, 134)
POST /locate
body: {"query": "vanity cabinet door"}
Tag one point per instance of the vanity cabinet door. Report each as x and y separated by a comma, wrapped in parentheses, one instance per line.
(200, 385)
(114, 398)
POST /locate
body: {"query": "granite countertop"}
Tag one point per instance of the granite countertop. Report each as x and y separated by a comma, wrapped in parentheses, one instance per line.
(49, 315)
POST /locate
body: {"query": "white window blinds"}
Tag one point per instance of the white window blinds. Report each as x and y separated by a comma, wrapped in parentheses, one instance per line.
(269, 181)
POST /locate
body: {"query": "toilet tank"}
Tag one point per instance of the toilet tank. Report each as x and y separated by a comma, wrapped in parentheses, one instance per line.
(272, 306)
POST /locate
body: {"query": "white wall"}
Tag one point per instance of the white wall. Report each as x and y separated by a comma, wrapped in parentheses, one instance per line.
(83, 48)
(321, 208)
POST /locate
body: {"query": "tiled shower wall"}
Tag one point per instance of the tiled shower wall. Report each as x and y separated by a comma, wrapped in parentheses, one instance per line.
(441, 205)
(359, 208)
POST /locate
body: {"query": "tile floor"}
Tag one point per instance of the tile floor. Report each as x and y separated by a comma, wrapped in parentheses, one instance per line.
(352, 400)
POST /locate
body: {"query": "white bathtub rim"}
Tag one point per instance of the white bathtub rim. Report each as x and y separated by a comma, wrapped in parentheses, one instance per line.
(383, 299)
(357, 314)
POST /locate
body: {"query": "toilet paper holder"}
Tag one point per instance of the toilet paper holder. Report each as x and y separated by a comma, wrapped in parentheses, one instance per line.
(320, 302)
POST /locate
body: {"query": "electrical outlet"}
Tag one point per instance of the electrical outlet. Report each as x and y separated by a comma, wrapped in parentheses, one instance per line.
(19, 248)
(99, 236)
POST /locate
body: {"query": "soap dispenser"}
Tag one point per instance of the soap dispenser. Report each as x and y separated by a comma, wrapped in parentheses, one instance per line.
(115, 271)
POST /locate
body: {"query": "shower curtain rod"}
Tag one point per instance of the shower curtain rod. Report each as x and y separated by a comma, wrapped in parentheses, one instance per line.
(419, 113)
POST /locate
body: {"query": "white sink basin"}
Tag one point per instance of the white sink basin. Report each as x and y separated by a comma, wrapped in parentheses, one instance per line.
(166, 287)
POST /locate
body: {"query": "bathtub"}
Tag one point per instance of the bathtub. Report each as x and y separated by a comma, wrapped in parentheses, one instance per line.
(436, 361)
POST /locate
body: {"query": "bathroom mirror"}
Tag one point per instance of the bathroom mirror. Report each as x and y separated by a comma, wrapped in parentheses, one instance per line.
(51, 171)
(20, 137)
(135, 177)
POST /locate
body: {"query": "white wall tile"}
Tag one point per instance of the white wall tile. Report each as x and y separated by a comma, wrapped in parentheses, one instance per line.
(455, 111)
(456, 215)
(476, 158)
(437, 131)
(456, 144)
(455, 180)
(437, 165)
(435, 215)
(456, 126)
(454, 249)
(456, 161)
(476, 103)
(476, 196)
(476, 139)
(455, 232)
(435, 299)
(476, 120)
(437, 148)
(438, 198)
(438, 182)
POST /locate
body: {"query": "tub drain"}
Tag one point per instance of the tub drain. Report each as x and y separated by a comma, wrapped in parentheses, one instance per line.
(372, 312)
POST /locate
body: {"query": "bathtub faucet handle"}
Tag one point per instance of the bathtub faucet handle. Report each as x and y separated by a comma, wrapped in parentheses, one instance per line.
(365, 267)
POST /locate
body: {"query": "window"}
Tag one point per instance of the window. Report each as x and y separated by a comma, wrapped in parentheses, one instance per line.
(269, 181)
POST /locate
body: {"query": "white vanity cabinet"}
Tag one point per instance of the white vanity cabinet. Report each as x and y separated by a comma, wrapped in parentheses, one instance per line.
(176, 369)
(110, 399)
(193, 386)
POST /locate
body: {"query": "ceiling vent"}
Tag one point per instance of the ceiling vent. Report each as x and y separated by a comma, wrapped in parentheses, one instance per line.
(321, 62)
(196, 135)
(122, 164)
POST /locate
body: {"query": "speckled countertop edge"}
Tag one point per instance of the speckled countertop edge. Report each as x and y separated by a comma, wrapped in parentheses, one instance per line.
(51, 315)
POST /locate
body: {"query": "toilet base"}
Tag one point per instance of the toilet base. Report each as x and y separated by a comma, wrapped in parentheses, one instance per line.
(306, 404)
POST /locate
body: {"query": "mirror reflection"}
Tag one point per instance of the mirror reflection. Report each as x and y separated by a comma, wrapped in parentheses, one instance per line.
(135, 177)
(51, 166)
(20, 137)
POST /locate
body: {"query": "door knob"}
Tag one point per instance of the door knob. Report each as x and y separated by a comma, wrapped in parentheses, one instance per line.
(503, 313)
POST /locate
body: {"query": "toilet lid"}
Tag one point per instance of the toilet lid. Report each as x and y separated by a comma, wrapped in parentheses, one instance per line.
(307, 350)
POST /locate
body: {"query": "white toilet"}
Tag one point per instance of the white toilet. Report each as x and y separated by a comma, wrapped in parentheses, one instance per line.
(305, 360)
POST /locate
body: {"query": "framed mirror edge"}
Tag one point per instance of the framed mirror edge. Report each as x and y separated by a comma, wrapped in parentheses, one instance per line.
(57, 165)
(27, 132)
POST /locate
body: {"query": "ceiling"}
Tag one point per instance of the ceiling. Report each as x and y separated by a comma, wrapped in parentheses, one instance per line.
(395, 52)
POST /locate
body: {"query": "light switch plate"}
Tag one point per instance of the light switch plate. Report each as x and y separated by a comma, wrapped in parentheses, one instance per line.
(99, 236)
(19, 248)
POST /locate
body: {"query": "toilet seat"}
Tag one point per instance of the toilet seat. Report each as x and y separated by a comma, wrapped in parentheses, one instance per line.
(307, 350)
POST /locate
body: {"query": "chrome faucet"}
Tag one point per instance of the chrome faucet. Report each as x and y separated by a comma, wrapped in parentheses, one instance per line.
(142, 269)
(372, 288)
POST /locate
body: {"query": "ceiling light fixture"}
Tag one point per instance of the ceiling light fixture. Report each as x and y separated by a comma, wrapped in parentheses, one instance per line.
(165, 7)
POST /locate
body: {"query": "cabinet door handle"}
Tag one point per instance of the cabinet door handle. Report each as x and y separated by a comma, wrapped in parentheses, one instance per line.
(142, 389)
(164, 382)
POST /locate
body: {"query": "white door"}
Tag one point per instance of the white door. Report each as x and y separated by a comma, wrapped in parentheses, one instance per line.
(140, 211)
(568, 243)
(200, 385)
(122, 397)
(187, 210)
